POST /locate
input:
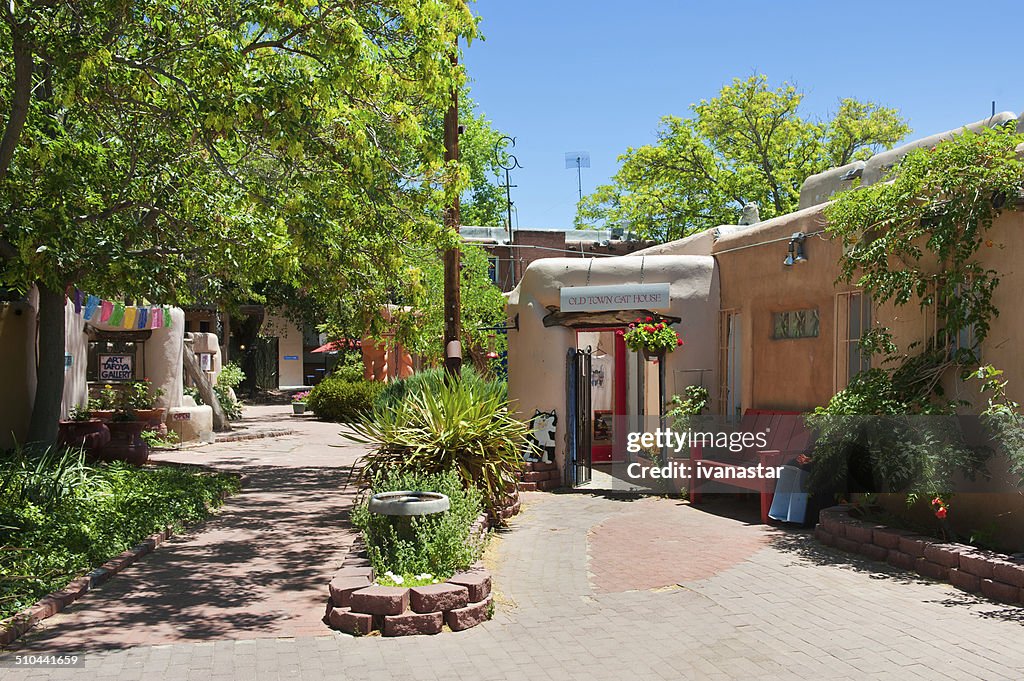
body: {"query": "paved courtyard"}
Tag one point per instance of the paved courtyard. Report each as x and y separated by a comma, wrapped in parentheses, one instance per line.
(590, 587)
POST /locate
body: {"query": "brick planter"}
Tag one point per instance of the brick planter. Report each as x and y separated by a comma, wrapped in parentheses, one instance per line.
(963, 566)
(539, 477)
(358, 606)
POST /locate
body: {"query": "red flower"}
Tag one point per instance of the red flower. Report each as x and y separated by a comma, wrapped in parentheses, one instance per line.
(649, 329)
(650, 319)
(620, 332)
(941, 513)
(679, 341)
(937, 501)
(638, 320)
(659, 326)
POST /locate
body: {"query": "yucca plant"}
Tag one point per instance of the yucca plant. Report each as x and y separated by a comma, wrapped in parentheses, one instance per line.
(460, 426)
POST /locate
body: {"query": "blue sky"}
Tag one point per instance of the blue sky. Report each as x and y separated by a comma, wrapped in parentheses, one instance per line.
(568, 75)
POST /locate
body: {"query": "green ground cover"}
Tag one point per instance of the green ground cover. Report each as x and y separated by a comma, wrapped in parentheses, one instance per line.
(60, 518)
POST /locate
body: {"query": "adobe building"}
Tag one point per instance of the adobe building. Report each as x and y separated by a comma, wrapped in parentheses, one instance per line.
(765, 322)
(153, 353)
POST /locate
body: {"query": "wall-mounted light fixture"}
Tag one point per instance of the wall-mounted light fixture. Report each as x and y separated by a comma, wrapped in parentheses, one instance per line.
(795, 252)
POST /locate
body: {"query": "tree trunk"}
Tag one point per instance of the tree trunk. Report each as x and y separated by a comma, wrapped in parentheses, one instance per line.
(49, 367)
(220, 419)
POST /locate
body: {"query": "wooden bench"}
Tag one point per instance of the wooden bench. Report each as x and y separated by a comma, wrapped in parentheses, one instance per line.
(787, 437)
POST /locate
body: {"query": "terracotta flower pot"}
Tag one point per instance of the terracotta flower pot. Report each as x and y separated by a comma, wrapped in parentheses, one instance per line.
(90, 435)
(154, 418)
(651, 355)
(104, 415)
(126, 443)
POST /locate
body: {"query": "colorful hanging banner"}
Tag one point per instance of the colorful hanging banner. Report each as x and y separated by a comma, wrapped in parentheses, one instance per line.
(143, 314)
(117, 316)
(91, 304)
(78, 301)
(156, 320)
(106, 309)
(130, 313)
(167, 317)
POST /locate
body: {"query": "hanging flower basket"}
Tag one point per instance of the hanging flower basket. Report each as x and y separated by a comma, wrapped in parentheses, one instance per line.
(651, 337)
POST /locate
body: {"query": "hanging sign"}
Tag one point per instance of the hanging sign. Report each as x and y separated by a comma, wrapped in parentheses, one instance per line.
(206, 361)
(616, 297)
(116, 367)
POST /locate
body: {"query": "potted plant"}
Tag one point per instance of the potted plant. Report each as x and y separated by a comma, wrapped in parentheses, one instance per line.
(126, 443)
(141, 398)
(102, 407)
(299, 402)
(651, 337)
(82, 430)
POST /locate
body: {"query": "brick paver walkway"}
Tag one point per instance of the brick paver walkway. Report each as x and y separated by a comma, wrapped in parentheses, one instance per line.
(702, 596)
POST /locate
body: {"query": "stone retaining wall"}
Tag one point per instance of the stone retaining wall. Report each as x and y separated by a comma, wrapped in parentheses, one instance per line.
(965, 567)
(358, 606)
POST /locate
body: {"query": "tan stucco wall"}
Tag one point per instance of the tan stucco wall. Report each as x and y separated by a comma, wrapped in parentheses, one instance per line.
(17, 370)
(537, 354)
(786, 374)
(289, 344)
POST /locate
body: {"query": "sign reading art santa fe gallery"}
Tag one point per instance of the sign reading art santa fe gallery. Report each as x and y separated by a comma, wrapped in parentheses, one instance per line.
(616, 297)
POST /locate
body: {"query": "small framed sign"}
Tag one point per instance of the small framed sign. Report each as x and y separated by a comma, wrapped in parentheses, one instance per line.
(181, 416)
(116, 367)
(206, 361)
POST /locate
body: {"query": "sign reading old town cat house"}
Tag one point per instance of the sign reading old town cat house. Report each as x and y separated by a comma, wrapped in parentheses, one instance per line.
(615, 297)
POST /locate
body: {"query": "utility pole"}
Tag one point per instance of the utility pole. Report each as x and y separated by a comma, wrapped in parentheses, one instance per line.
(452, 297)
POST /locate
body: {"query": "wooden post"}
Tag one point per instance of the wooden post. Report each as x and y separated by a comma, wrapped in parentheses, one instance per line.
(220, 419)
(452, 297)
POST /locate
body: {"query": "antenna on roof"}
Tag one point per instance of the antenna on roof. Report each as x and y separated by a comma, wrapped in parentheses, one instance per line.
(578, 160)
(993, 108)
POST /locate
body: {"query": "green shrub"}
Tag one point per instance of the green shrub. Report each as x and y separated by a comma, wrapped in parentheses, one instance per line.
(60, 518)
(350, 368)
(872, 438)
(465, 426)
(337, 400)
(438, 544)
(426, 381)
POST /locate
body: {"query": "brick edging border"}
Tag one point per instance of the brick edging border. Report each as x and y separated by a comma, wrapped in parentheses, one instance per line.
(965, 567)
(15, 626)
(358, 606)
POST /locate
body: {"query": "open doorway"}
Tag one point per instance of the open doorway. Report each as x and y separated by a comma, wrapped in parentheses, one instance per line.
(607, 393)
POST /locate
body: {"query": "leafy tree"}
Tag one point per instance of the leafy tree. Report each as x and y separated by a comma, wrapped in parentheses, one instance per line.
(748, 144)
(480, 148)
(184, 152)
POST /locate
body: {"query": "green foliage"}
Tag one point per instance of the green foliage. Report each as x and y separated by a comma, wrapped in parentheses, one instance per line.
(43, 477)
(63, 519)
(157, 441)
(872, 438)
(463, 425)
(438, 544)
(748, 144)
(480, 149)
(395, 392)
(421, 328)
(334, 399)
(350, 368)
(693, 403)
(230, 376)
(188, 153)
(916, 239)
(1003, 419)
